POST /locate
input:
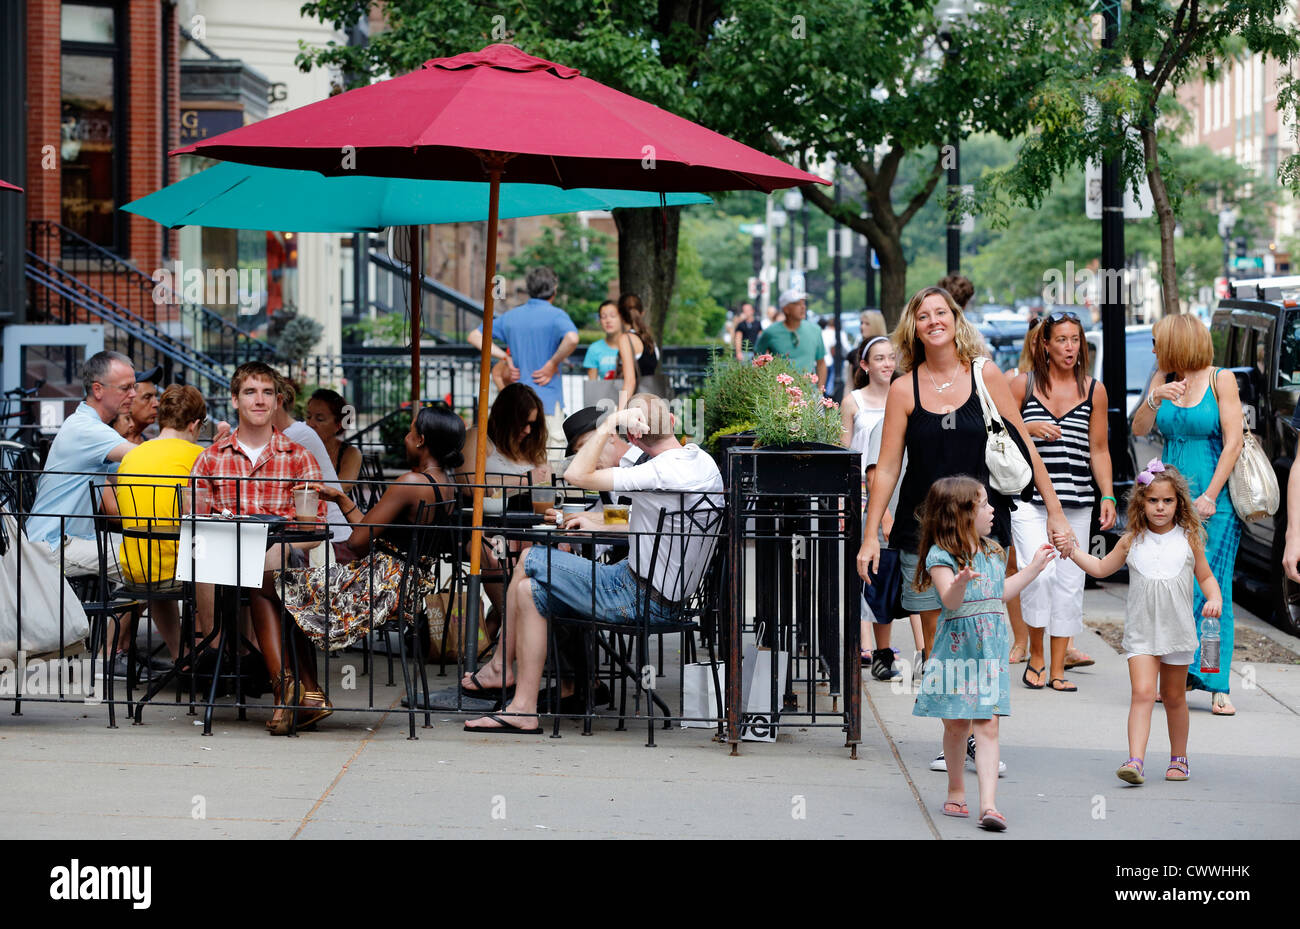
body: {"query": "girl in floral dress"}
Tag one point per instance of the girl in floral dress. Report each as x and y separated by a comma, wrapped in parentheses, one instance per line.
(966, 677)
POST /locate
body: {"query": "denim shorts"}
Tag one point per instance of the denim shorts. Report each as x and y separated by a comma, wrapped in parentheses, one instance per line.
(563, 585)
(915, 601)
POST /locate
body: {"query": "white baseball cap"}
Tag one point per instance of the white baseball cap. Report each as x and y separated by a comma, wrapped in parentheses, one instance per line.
(791, 295)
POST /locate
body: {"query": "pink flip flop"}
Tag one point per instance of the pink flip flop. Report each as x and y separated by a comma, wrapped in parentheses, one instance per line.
(953, 808)
(993, 821)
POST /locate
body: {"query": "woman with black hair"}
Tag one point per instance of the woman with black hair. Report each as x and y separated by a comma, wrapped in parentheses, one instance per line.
(363, 590)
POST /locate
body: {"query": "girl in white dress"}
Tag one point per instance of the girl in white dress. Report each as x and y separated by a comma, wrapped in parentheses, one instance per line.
(862, 409)
(1164, 548)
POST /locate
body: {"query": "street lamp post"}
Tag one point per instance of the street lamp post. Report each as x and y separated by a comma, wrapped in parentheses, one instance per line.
(793, 200)
(953, 14)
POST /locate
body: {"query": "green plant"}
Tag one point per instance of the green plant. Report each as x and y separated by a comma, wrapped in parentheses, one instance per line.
(781, 404)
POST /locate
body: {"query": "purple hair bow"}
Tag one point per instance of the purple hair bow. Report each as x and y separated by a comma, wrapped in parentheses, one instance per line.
(1154, 466)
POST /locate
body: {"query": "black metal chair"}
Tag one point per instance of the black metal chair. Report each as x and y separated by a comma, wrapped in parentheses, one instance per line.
(151, 521)
(429, 539)
(20, 467)
(698, 609)
(368, 487)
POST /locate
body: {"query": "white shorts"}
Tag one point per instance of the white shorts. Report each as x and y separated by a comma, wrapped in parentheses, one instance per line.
(1053, 600)
(1173, 658)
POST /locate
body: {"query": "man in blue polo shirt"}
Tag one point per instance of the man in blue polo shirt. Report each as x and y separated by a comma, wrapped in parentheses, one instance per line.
(539, 336)
(85, 443)
(796, 337)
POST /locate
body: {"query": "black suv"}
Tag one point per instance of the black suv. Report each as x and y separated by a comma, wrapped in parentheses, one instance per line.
(1257, 336)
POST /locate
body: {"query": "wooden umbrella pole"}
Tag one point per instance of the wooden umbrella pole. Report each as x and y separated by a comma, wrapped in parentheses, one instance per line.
(417, 310)
(495, 169)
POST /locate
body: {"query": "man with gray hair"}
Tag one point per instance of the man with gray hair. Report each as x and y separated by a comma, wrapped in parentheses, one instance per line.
(85, 446)
(538, 336)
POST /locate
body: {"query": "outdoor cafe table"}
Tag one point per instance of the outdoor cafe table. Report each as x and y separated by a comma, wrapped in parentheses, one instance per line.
(279, 531)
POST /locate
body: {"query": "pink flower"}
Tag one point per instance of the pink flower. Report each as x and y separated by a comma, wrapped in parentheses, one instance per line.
(795, 393)
(828, 403)
(812, 378)
(763, 359)
(784, 379)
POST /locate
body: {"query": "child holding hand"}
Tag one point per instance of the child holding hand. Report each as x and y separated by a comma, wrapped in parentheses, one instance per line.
(966, 681)
(1164, 548)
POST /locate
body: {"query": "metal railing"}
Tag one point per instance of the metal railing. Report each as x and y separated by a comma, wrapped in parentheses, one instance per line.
(427, 567)
(196, 325)
(63, 299)
(448, 315)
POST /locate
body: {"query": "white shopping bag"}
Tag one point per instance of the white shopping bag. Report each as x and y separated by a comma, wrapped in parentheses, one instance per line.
(214, 544)
(758, 722)
(699, 698)
(51, 613)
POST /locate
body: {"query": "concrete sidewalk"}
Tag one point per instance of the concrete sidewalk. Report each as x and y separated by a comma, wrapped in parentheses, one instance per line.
(68, 776)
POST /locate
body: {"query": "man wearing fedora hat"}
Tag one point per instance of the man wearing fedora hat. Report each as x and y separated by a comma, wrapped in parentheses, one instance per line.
(796, 338)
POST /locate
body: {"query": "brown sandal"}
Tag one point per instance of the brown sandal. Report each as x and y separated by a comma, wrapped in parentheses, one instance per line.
(315, 708)
(286, 697)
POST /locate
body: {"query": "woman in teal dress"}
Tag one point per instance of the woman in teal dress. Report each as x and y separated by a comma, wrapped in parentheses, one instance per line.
(1194, 412)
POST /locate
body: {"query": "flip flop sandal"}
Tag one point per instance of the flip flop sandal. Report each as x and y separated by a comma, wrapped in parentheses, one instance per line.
(1024, 678)
(1131, 772)
(953, 808)
(1062, 690)
(1024, 655)
(504, 695)
(1178, 769)
(503, 726)
(1220, 706)
(1082, 661)
(993, 821)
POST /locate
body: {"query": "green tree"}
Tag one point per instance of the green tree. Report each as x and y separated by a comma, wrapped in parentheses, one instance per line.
(870, 83)
(695, 317)
(1094, 96)
(580, 260)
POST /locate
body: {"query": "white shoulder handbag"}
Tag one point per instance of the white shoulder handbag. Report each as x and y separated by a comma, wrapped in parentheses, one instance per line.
(1252, 485)
(1009, 472)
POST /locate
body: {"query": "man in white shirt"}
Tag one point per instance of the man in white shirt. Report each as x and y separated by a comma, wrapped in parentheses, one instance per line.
(548, 583)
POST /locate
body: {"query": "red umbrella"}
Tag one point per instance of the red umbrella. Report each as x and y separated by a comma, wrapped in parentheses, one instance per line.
(499, 112)
(5, 185)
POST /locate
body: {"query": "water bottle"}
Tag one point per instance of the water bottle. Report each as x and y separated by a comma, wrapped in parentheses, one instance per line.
(1210, 646)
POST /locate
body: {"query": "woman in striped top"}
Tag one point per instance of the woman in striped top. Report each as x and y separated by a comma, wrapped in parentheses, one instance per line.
(1064, 411)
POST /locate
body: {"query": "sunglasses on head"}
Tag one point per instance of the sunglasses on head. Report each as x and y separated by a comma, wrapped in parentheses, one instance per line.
(1062, 314)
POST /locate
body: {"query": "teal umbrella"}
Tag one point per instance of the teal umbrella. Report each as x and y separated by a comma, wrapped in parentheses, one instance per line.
(235, 196)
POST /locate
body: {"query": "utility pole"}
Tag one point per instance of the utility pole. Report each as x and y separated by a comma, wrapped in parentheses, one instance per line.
(838, 352)
(1112, 297)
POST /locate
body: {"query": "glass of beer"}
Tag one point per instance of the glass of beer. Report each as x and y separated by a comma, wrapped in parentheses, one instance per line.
(616, 513)
(305, 501)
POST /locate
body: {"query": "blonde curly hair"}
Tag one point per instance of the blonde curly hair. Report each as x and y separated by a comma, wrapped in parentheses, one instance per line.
(970, 344)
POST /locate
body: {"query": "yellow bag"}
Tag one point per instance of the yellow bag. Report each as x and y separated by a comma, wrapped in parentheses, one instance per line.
(440, 620)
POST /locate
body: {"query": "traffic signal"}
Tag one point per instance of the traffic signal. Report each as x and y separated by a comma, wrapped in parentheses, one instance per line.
(757, 252)
(1241, 247)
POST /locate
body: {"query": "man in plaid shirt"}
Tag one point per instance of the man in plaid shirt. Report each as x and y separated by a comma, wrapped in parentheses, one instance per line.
(253, 470)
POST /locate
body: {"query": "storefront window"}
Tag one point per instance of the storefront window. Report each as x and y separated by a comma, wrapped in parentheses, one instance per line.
(90, 120)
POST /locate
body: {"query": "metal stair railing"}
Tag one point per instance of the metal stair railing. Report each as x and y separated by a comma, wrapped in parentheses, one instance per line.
(449, 315)
(112, 312)
(121, 335)
(131, 287)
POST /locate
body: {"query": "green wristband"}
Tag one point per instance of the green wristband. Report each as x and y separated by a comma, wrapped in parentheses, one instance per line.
(1112, 500)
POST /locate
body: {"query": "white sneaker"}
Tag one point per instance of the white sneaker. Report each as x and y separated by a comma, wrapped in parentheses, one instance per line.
(940, 765)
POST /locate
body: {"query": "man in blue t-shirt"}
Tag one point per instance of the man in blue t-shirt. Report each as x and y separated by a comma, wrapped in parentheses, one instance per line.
(85, 443)
(539, 336)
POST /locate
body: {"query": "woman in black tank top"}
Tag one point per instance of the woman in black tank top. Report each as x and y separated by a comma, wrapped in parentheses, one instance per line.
(936, 415)
(433, 446)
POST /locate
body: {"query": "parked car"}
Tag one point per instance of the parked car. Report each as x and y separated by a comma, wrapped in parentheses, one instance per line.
(1257, 336)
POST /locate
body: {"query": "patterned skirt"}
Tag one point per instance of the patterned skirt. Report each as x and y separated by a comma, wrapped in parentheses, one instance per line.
(361, 595)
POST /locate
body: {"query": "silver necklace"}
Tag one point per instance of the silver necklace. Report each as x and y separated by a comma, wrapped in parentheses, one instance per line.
(940, 388)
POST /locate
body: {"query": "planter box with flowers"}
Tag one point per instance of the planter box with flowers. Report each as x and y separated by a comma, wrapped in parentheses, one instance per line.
(795, 497)
(777, 415)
